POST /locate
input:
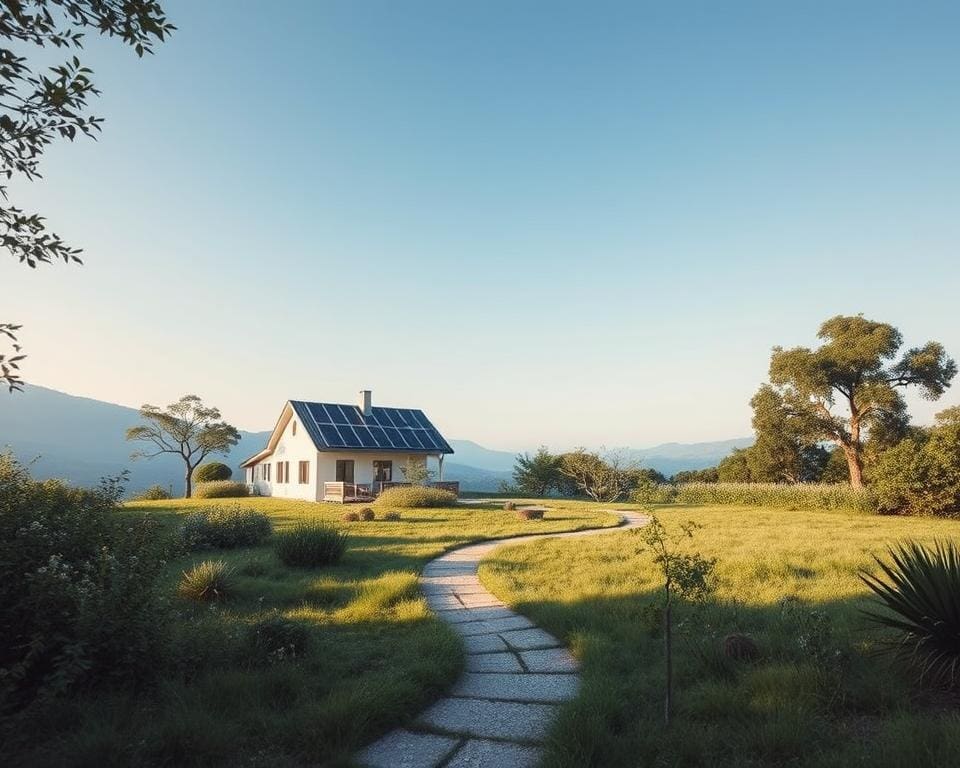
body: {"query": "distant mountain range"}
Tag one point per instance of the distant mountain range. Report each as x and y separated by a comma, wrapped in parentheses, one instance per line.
(82, 440)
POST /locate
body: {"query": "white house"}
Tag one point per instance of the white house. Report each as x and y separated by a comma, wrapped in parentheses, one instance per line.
(336, 452)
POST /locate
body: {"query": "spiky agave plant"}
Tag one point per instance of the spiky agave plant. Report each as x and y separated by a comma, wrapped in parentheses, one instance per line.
(922, 590)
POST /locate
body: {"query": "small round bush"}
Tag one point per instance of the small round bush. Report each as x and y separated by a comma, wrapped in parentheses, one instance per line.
(367, 514)
(392, 517)
(416, 496)
(530, 514)
(210, 580)
(153, 493)
(277, 638)
(509, 506)
(223, 528)
(350, 517)
(220, 489)
(212, 471)
(309, 544)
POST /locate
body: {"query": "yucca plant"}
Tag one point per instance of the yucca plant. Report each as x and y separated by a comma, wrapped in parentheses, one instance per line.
(922, 591)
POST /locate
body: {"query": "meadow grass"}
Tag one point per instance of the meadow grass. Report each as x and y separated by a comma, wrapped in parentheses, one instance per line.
(819, 696)
(372, 654)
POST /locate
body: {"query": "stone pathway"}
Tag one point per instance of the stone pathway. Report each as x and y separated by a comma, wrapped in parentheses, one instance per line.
(517, 675)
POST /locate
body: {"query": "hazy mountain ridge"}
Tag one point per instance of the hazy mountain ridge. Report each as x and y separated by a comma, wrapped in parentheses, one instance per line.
(81, 439)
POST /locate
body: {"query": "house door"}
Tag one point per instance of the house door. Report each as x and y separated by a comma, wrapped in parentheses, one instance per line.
(345, 470)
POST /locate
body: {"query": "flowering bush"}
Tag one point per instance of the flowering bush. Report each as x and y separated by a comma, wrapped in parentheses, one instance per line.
(223, 528)
(78, 596)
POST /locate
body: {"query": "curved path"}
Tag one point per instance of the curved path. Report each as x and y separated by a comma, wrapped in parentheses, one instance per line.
(501, 708)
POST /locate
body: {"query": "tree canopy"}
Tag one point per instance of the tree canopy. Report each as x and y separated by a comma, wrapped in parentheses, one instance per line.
(537, 475)
(186, 428)
(850, 384)
(39, 106)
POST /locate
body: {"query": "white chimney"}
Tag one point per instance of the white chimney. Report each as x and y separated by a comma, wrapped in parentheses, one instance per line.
(366, 402)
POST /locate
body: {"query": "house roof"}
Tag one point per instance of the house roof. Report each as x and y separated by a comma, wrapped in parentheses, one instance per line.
(338, 427)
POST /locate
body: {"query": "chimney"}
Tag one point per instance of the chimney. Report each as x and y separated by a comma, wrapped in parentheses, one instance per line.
(366, 402)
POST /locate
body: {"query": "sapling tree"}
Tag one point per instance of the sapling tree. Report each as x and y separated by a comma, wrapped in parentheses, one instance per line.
(416, 472)
(686, 576)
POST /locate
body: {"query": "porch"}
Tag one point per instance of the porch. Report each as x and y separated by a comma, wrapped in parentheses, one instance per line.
(344, 493)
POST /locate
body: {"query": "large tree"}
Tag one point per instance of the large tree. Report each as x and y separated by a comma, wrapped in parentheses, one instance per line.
(186, 428)
(38, 106)
(852, 383)
(602, 477)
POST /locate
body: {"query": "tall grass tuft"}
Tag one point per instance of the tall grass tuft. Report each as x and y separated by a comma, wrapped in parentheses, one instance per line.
(772, 495)
(310, 544)
(922, 591)
(208, 581)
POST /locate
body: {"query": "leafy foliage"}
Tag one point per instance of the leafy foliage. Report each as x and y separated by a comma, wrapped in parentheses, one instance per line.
(415, 471)
(153, 493)
(211, 471)
(221, 489)
(223, 528)
(921, 474)
(601, 477)
(186, 428)
(36, 108)
(416, 496)
(310, 544)
(537, 475)
(707, 475)
(207, 581)
(921, 590)
(78, 588)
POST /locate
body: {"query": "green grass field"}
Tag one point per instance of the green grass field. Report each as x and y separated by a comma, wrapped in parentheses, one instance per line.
(376, 655)
(819, 696)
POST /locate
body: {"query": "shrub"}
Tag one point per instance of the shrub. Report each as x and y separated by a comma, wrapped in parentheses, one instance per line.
(367, 514)
(921, 589)
(350, 517)
(739, 647)
(801, 496)
(530, 514)
(79, 597)
(153, 493)
(654, 493)
(210, 580)
(223, 528)
(509, 506)
(211, 472)
(277, 638)
(416, 496)
(310, 544)
(220, 489)
(392, 517)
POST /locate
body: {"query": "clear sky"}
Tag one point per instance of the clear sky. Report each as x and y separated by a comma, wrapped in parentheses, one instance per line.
(540, 222)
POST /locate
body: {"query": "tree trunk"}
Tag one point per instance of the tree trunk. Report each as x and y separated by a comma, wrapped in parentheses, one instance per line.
(188, 483)
(668, 655)
(854, 465)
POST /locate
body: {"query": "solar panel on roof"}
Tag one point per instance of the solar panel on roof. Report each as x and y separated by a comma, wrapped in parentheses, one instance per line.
(332, 425)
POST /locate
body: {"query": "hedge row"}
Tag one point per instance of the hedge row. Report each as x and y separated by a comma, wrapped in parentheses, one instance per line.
(802, 496)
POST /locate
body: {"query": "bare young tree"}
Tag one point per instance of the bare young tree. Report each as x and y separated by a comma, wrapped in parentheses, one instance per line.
(186, 428)
(601, 476)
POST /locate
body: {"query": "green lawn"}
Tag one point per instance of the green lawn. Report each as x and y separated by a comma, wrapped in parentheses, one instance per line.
(819, 696)
(376, 657)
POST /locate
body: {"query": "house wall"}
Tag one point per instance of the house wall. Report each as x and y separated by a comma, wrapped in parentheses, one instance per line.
(363, 465)
(293, 448)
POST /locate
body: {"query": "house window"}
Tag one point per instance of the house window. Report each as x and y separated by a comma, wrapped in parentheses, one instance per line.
(344, 470)
(294, 429)
(303, 472)
(383, 471)
(266, 471)
(283, 471)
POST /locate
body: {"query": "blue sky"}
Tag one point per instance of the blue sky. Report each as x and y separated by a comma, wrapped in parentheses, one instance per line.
(540, 222)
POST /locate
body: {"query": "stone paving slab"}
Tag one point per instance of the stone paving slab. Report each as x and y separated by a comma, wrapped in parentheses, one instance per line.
(493, 626)
(480, 601)
(403, 749)
(543, 688)
(460, 615)
(479, 753)
(494, 719)
(493, 662)
(484, 644)
(529, 639)
(557, 660)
